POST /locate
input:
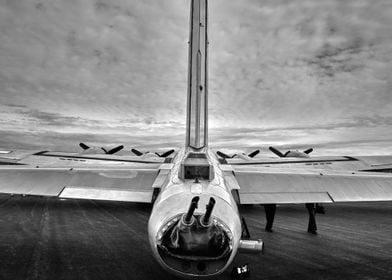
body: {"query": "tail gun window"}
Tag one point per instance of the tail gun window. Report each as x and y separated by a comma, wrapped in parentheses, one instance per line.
(196, 165)
(201, 172)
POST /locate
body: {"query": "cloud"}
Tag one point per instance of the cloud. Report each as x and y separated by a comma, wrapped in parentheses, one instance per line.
(281, 72)
(52, 119)
(64, 141)
(332, 60)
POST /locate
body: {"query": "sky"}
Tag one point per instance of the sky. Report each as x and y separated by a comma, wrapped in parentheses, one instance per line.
(289, 73)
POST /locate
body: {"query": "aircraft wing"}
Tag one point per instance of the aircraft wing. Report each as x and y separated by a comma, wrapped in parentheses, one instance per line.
(133, 184)
(280, 161)
(264, 185)
(44, 157)
(363, 163)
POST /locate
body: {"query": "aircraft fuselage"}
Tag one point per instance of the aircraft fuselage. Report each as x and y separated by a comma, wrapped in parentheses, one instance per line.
(196, 249)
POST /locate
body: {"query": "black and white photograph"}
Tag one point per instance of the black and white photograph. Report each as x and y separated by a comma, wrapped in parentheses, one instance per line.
(195, 139)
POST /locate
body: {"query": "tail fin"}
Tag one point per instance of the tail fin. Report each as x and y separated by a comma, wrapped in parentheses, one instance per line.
(197, 117)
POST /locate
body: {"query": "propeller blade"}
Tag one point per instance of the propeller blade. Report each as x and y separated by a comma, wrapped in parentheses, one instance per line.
(136, 152)
(84, 146)
(254, 153)
(308, 151)
(166, 154)
(114, 150)
(276, 152)
(222, 155)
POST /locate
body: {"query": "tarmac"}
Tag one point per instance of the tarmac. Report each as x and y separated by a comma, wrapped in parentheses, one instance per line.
(47, 238)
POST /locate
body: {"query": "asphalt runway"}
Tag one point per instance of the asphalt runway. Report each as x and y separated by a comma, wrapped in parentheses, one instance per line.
(46, 238)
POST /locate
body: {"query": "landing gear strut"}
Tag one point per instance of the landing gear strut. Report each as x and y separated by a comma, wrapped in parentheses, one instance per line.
(270, 210)
(312, 227)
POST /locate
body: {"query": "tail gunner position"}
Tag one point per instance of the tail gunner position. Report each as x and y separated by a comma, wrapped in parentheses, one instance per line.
(186, 238)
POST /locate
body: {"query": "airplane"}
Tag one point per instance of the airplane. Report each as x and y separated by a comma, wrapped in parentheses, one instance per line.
(195, 227)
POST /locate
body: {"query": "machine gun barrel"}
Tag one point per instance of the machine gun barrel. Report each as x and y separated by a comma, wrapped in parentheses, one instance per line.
(191, 210)
(209, 208)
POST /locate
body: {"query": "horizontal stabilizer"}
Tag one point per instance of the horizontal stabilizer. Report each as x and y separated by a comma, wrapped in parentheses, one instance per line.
(118, 184)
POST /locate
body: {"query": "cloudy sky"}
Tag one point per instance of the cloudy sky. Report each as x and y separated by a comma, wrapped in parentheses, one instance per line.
(290, 73)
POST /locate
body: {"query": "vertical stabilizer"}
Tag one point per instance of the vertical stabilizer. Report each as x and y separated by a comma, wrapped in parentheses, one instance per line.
(196, 131)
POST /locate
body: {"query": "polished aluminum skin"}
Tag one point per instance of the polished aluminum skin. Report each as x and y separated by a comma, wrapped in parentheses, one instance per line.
(173, 202)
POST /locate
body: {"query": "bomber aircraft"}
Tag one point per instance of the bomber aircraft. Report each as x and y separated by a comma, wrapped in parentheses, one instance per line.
(195, 226)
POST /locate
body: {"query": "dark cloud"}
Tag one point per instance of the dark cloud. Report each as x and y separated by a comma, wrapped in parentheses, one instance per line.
(53, 119)
(15, 105)
(331, 60)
